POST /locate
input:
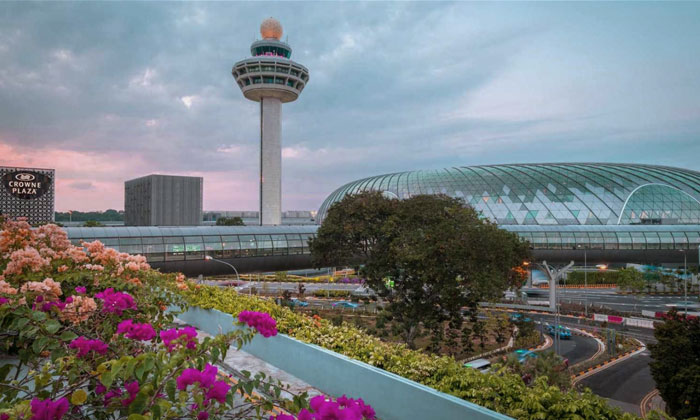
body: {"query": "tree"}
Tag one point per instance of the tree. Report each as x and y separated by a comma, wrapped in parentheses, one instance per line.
(229, 221)
(439, 254)
(301, 289)
(547, 365)
(630, 279)
(676, 364)
(92, 223)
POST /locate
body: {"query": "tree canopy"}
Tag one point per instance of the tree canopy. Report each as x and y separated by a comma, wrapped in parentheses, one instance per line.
(229, 221)
(440, 255)
(676, 364)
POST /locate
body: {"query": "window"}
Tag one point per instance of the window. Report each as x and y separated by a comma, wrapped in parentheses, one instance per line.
(624, 240)
(596, 239)
(231, 246)
(553, 240)
(652, 240)
(582, 239)
(680, 240)
(638, 240)
(568, 241)
(249, 246)
(264, 245)
(279, 242)
(610, 240)
(295, 244)
(665, 240)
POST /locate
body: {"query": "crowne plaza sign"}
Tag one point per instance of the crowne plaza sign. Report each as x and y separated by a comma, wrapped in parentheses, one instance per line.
(26, 185)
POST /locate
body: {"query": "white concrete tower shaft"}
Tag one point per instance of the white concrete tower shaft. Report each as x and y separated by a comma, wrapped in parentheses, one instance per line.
(270, 161)
(271, 78)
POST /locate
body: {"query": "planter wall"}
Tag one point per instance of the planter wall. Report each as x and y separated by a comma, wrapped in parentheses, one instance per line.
(393, 397)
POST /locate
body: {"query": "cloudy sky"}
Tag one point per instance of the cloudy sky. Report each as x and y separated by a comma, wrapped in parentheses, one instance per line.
(105, 92)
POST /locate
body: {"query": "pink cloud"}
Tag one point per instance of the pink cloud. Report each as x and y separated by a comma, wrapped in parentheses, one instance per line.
(106, 173)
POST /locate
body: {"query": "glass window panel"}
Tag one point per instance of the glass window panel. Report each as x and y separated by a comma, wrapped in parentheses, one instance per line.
(193, 239)
(638, 240)
(129, 241)
(174, 252)
(152, 240)
(624, 240)
(680, 240)
(665, 240)
(652, 240)
(173, 240)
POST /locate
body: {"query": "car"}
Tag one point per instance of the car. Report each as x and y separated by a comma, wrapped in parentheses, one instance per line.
(524, 355)
(482, 365)
(297, 302)
(689, 304)
(564, 332)
(345, 304)
(519, 318)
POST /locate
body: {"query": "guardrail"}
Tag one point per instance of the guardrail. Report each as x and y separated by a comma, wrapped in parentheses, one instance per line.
(393, 397)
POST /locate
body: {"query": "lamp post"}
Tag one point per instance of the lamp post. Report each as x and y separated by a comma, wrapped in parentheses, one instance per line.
(209, 257)
(685, 281)
(585, 280)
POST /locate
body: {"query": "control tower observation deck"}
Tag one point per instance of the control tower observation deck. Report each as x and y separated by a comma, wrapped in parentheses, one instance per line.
(271, 78)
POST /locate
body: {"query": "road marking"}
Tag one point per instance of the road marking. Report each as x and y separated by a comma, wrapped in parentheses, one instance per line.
(605, 365)
(646, 402)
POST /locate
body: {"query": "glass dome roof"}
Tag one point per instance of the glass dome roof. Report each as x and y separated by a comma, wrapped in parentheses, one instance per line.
(552, 193)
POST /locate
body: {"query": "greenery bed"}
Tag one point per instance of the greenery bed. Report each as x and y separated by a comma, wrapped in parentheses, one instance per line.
(502, 392)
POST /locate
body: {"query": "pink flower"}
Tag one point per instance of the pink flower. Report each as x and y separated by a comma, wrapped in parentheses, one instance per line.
(78, 309)
(174, 335)
(6, 288)
(132, 388)
(26, 258)
(213, 389)
(261, 321)
(116, 302)
(134, 331)
(3, 300)
(80, 289)
(48, 409)
(85, 346)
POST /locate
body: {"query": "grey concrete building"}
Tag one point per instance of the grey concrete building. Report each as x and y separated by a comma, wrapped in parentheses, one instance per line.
(163, 200)
(27, 192)
(271, 78)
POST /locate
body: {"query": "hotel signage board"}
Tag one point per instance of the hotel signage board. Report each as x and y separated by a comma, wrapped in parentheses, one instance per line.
(26, 185)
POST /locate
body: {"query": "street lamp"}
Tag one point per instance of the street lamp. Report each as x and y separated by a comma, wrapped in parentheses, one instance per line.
(585, 280)
(209, 257)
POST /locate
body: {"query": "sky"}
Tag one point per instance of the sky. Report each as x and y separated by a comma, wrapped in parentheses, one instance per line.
(106, 92)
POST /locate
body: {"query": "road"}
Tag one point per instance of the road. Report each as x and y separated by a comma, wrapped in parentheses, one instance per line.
(610, 299)
(624, 384)
(578, 348)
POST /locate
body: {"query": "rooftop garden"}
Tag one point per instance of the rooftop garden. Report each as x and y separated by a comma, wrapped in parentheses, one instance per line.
(86, 334)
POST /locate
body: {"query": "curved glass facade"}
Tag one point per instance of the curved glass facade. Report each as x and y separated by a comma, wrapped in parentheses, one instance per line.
(552, 194)
(159, 244)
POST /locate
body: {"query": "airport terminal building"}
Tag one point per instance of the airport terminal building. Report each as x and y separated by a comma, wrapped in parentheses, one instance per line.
(616, 213)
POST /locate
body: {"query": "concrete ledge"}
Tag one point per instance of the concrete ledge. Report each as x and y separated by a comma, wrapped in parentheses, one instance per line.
(393, 397)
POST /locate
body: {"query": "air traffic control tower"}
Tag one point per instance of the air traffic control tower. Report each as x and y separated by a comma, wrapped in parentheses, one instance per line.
(271, 78)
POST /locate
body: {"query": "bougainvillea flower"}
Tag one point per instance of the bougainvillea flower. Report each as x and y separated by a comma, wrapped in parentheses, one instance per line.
(261, 321)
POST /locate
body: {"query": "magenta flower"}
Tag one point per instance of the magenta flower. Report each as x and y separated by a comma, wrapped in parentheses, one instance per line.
(174, 335)
(81, 289)
(48, 409)
(202, 415)
(2, 302)
(116, 302)
(85, 346)
(206, 380)
(132, 388)
(343, 408)
(134, 331)
(261, 321)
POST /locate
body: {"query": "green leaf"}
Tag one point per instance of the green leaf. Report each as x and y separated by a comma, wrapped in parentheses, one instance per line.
(139, 403)
(137, 417)
(107, 378)
(21, 322)
(68, 336)
(38, 316)
(39, 344)
(52, 326)
(170, 388)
